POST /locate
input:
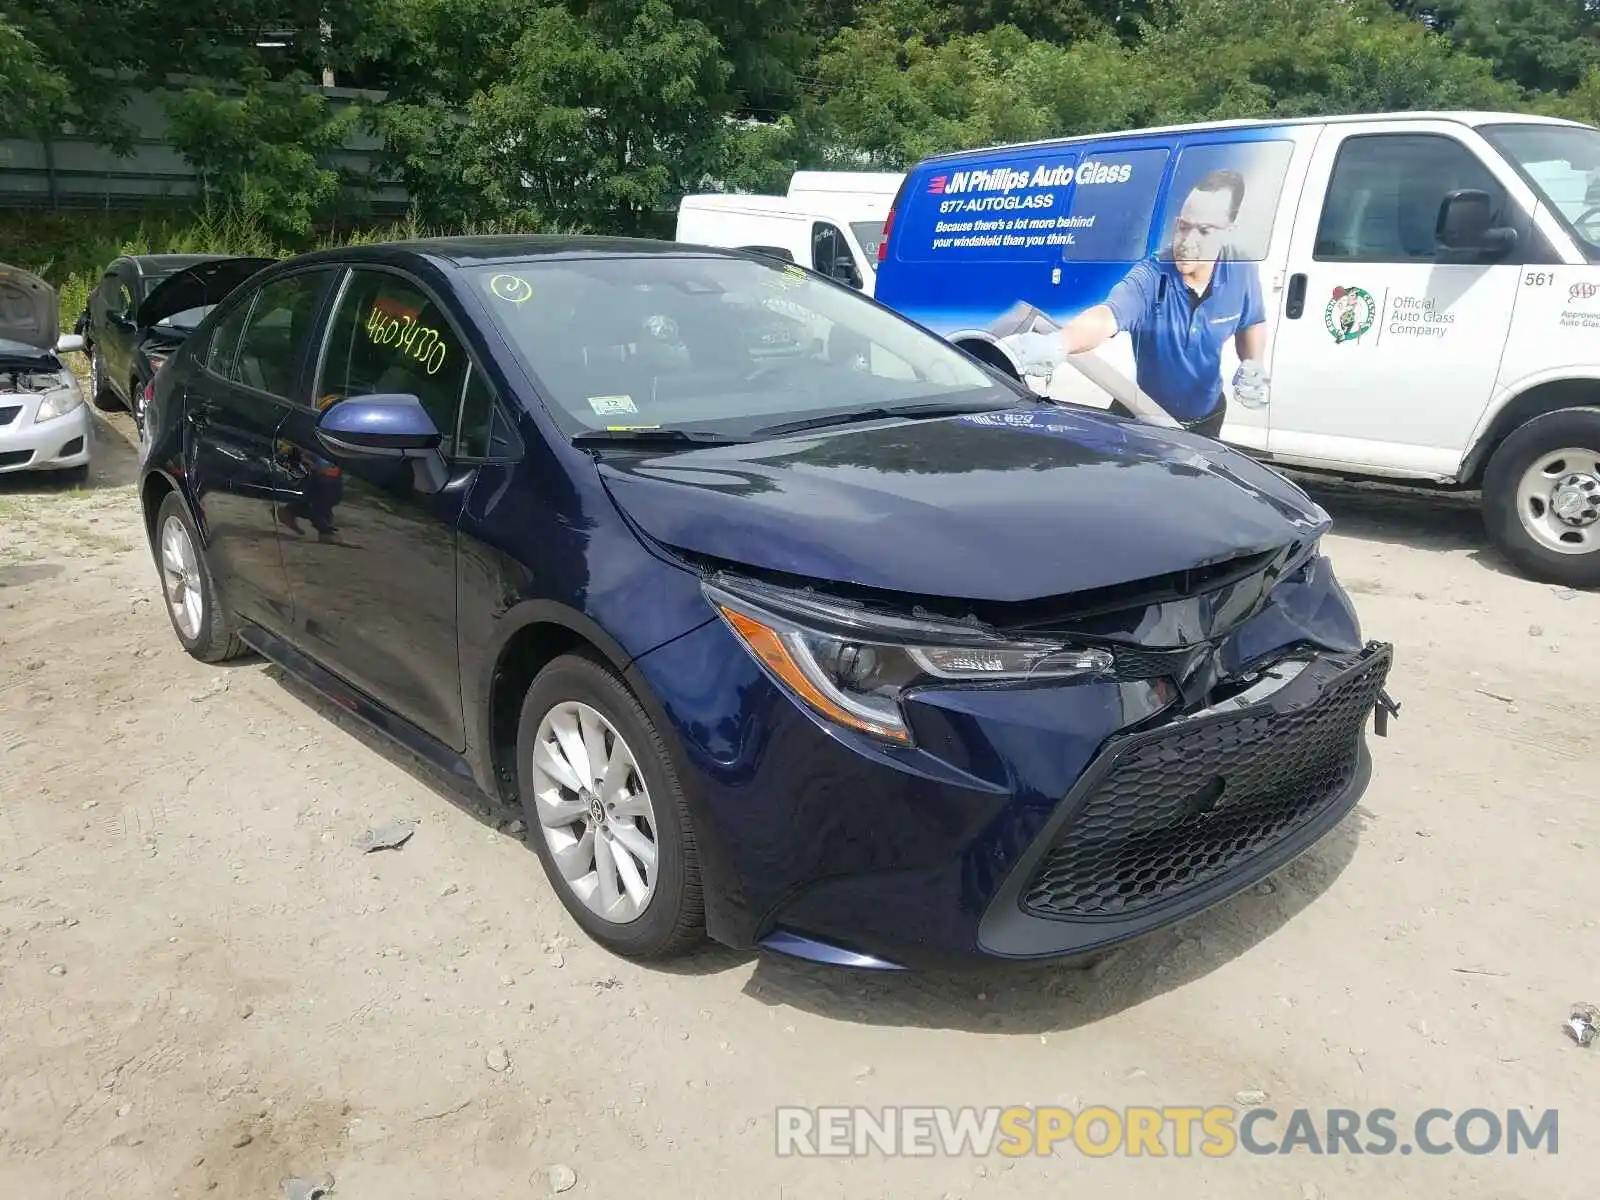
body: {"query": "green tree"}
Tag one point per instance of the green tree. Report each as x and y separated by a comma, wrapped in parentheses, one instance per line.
(261, 147)
(1541, 45)
(32, 94)
(899, 93)
(1218, 59)
(602, 118)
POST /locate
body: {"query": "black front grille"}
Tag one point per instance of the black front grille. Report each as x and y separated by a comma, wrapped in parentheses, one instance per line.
(1142, 662)
(9, 413)
(1179, 807)
(15, 458)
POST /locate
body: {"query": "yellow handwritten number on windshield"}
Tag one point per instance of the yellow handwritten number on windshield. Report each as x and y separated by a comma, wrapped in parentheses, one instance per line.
(419, 342)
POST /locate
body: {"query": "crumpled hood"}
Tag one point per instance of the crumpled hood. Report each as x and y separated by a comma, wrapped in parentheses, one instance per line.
(30, 314)
(1005, 506)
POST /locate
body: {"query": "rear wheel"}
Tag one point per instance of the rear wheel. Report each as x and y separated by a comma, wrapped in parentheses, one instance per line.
(206, 630)
(605, 811)
(99, 390)
(1541, 498)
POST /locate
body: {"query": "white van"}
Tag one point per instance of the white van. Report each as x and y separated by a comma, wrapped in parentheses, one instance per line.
(830, 221)
(1411, 296)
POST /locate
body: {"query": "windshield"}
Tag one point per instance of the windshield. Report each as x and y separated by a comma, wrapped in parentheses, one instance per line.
(725, 345)
(870, 235)
(187, 320)
(1562, 162)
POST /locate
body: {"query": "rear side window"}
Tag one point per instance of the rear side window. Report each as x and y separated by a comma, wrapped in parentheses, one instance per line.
(1223, 199)
(389, 337)
(280, 324)
(225, 339)
(1383, 199)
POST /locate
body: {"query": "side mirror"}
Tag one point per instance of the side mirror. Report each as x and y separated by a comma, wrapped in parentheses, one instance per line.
(1464, 224)
(69, 343)
(392, 426)
(844, 270)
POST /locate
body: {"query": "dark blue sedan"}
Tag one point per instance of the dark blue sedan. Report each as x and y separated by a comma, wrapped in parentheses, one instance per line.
(782, 620)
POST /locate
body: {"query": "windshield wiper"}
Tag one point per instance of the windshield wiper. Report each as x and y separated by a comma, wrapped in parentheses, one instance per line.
(665, 437)
(944, 409)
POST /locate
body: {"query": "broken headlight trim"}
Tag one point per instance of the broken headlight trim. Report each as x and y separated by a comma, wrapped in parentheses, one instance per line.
(853, 667)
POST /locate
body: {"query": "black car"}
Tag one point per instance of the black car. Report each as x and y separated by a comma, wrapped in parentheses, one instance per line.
(143, 309)
(782, 619)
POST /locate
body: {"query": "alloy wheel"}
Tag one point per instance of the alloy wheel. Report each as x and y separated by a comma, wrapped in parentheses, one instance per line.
(595, 812)
(180, 575)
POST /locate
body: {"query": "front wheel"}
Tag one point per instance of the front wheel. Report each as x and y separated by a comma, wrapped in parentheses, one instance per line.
(605, 811)
(206, 630)
(1541, 498)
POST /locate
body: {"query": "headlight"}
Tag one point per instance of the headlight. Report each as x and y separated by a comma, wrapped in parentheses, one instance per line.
(60, 402)
(853, 667)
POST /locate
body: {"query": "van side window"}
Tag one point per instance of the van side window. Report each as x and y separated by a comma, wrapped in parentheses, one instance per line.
(1383, 199)
(831, 254)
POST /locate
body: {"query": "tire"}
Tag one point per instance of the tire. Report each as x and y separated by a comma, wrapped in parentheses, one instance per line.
(671, 919)
(136, 404)
(206, 630)
(99, 390)
(1528, 473)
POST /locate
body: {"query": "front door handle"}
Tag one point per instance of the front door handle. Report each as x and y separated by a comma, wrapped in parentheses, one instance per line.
(1295, 303)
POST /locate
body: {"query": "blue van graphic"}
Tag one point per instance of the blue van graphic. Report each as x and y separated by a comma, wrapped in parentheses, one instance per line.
(1151, 242)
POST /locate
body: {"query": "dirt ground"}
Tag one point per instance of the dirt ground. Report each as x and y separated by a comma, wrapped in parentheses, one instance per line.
(205, 988)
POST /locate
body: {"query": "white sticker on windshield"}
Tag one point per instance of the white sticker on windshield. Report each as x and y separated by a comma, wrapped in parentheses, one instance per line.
(608, 406)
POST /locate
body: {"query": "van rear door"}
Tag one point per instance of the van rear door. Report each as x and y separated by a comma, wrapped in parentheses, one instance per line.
(1389, 343)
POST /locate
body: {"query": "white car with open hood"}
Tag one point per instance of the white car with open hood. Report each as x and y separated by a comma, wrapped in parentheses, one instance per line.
(44, 423)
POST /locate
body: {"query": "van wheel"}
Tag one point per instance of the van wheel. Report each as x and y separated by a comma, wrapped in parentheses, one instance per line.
(606, 813)
(1541, 498)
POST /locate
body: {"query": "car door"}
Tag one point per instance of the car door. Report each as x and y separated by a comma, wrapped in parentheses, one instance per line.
(1389, 345)
(371, 557)
(114, 331)
(251, 370)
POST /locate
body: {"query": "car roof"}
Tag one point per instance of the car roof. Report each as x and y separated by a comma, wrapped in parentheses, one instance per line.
(1460, 117)
(486, 250)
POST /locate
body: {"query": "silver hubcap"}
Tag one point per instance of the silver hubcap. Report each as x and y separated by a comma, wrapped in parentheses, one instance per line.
(1559, 501)
(180, 572)
(595, 812)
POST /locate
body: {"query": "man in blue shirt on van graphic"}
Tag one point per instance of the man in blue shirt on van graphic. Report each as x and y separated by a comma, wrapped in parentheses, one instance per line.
(1179, 307)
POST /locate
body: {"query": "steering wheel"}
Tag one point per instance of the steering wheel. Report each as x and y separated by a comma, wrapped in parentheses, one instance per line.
(1584, 218)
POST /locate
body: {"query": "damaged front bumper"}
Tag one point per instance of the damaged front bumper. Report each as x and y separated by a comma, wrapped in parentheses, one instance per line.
(1169, 821)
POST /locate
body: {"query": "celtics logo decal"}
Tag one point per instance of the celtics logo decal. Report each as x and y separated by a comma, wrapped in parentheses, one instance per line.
(1349, 314)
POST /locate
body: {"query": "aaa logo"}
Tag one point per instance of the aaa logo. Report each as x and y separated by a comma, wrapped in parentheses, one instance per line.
(1349, 314)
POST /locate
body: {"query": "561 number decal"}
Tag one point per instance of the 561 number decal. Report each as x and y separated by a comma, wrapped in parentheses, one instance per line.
(402, 332)
(1538, 279)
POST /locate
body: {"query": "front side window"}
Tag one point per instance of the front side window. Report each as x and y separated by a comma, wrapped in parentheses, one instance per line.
(280, 324)
(1562, 163)
(1384, 198)
(388, 337)
(732, 345)
(831, 254)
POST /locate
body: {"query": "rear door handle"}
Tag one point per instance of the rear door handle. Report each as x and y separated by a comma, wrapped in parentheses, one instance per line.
(1295, 303)
(197, 415)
